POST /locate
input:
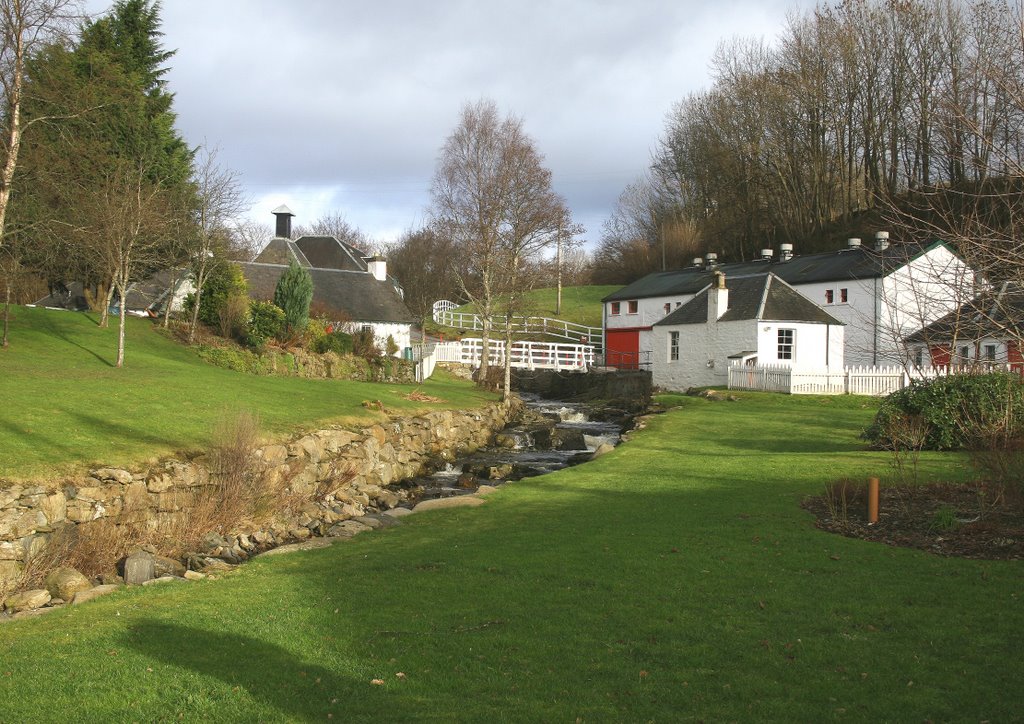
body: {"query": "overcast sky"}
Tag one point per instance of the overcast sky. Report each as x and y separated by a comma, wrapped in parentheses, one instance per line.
(343, 105)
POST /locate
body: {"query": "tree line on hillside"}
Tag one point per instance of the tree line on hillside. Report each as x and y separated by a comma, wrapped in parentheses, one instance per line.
(908, 113)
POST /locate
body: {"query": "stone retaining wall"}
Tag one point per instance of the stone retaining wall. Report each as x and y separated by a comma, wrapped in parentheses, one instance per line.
(309, 465)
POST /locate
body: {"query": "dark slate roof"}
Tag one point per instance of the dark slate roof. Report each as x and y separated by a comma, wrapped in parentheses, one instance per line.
(355, 294)
(152, 292)
(281, 251)
(328, 252)
(762, 297)
(995, 316)
(858, 263)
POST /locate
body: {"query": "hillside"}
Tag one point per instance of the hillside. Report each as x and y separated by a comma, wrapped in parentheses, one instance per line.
(581, 305)
(63, 405)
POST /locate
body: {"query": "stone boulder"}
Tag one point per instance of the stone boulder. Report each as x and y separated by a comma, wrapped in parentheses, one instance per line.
(102, 590)
(164, 566)
(139, 567)
(65, 582)
(27, 600)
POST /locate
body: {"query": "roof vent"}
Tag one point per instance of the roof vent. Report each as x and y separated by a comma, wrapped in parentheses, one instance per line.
(284, 221)
(785, 252)
(853, 243)
(698, 261)
(881, 240)
(712, 258)
(766, 254)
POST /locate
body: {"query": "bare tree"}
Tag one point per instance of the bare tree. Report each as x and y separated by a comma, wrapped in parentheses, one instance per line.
(335, 224)
(425, 263)
(25, 27)
(492, 196)
(220, 199)
(130, 220)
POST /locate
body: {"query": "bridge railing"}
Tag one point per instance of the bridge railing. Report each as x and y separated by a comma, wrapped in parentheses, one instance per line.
(529, 355)
(561, 328)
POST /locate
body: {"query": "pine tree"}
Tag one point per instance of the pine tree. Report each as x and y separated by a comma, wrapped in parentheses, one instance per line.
(293, 294)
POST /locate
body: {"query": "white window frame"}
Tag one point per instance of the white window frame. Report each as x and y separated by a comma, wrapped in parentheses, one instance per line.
(673, 346)
(633, 306)
(615, 309)
(786, 350)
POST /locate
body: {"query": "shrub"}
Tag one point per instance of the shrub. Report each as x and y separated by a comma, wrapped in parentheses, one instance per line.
(390, 346)
(960, 411)
(337, 342)
(233, 317)
(293, 294)
(224, 281)
(239, 360)
(364, 344)
(266, 320)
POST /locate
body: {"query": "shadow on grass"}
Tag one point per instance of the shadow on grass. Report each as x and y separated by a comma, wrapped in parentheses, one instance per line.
(46, 322)
(269, 673)
(109, 426)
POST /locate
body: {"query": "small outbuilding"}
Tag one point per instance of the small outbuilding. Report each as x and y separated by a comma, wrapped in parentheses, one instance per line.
(754, 319)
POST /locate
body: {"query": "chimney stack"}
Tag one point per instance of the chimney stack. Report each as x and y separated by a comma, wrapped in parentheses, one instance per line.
(853, 243)
(698, 262)
(785, 252)
(766, 254)
(881, 240)
(284, 221)
(718, 298)
(377, 266)
(711, 258)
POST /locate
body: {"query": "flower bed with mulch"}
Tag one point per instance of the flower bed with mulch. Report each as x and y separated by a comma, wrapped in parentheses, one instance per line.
(968, 520)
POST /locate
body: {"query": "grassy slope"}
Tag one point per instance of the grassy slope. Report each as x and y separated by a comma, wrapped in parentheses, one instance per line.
(674, 579)
(579, 304)
(63, 404)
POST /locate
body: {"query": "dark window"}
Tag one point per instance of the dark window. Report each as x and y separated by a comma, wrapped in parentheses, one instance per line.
(843, 296)
(786, 340)
(990, 352)
(673, 346)
(668, 307)
(829, 296)
(631, 306)
(615, 307)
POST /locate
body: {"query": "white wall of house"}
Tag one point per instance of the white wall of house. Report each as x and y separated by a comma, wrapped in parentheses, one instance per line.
(857, 313)
(703, 353)
(704, 350)
(815, 346)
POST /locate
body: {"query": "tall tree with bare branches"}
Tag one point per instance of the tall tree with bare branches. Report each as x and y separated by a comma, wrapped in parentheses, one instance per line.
(492, 196)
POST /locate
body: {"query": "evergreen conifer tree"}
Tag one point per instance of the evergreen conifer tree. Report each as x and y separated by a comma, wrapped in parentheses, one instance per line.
(293, 294)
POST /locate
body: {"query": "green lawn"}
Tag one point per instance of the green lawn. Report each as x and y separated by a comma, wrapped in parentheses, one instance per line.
(63, 404)
(675, 579)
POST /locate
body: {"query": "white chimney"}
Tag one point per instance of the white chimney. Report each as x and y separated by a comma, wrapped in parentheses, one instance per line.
(853, 243)
(785, 252)
(698, 262)
(377, 266)
(881, 240)
(718, 298)
(766, 254)
(712, 258)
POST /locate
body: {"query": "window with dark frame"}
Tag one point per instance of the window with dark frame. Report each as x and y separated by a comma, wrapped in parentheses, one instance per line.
(786, 341)
(631, 306)
(668, 307)
(829, 296)
(990, 352)
(843, 296)
(616, 308)
(673, 346)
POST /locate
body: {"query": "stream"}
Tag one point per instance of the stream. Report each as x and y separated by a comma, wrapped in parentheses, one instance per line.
(549, 435)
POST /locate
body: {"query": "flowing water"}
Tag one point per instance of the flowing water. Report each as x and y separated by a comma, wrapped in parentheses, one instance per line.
(549, 436)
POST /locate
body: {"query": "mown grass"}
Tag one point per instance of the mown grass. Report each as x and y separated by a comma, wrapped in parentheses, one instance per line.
(581, 305)
(675, 579)
(63, 405)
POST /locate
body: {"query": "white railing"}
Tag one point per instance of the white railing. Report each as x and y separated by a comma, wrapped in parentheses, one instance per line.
(560, 328)
(529, 355)
(875, 381)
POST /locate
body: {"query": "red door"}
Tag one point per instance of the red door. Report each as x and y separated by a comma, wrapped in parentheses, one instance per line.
(1014, 357)
(940, 355)
(622, 348)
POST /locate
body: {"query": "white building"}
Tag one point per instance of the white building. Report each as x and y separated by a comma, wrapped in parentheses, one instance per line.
(882, 294)
(755, 319)
(353, 287)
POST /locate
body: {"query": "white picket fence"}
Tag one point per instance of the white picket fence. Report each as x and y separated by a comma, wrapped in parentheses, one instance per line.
(876, 381)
